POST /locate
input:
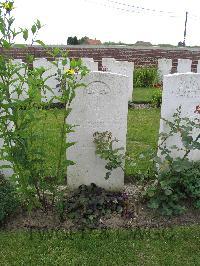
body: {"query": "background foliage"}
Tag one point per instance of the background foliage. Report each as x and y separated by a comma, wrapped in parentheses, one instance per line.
(145, 77)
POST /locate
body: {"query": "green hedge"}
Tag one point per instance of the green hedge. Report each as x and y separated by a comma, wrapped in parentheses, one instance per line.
(8, 199)
(145, 77)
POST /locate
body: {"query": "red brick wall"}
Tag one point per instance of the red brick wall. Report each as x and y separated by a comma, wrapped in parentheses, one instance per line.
(140, 56)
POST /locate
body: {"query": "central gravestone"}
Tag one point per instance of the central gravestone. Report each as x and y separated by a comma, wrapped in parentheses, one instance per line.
(180, 90)
(101, 106)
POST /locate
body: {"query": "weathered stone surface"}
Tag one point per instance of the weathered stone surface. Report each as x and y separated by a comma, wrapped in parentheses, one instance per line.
(164, 67)
(184, 65)
(120, 67)
(180, 90)
(107, 63)
(51, 82)
(198, 66)
(90, 64)
(51, 75)
(8, 170)
(100, 107)
(17, 85)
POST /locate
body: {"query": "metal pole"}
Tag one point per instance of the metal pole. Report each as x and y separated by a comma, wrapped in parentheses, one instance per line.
(185, 31)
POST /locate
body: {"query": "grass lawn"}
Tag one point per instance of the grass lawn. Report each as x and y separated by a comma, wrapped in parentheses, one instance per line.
(175, 246)
(143, 126)
(142, 138)
(143, 94)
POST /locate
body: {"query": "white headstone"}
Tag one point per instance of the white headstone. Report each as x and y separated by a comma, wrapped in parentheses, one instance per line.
(184, 65)
(90, 64)
(8, 170)
(120, 67)
(23, 87)
(87, 59)
(125, 68)
(101, 106)
(164, 67)
(52, 82)
(198, 67)
(180, 90)
(107, 63)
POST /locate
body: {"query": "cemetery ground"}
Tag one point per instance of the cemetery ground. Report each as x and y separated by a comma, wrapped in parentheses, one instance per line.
(143, 95)
(144, 239)
(143, 126)
(142, 138)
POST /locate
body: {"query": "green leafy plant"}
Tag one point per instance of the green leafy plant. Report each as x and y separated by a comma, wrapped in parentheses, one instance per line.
(104, 148)
(8, 199)
(23, 145)
(145, 77)
(178, 179)
(88, 204)
(171, 190)
(156, 99)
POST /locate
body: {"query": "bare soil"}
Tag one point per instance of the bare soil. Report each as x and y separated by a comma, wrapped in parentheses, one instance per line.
(140, 106)
(141, 217)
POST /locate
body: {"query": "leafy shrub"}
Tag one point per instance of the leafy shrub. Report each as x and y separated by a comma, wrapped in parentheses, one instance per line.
(178, 179)
(156, 99)
(173, 188)
(114, 157)
(88, 204)
(145, 77)
(8, 199)
(23, 145)
(104, 148)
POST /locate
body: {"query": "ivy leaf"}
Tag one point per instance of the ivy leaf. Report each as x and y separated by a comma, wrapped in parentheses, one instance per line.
(69, 162)
(25, 34)
(6, 44)
(38, 24)
(41, 43)
(33, 29)
(153, 204)
(69, 144)
(64, 62)
(168, 192)
(56, 51)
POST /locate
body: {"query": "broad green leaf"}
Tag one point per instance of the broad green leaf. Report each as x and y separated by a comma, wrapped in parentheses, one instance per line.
(25, 34)
(33, 29)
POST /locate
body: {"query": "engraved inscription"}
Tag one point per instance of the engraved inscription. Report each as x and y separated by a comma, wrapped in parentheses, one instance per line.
(97, 87)
(189, 89)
